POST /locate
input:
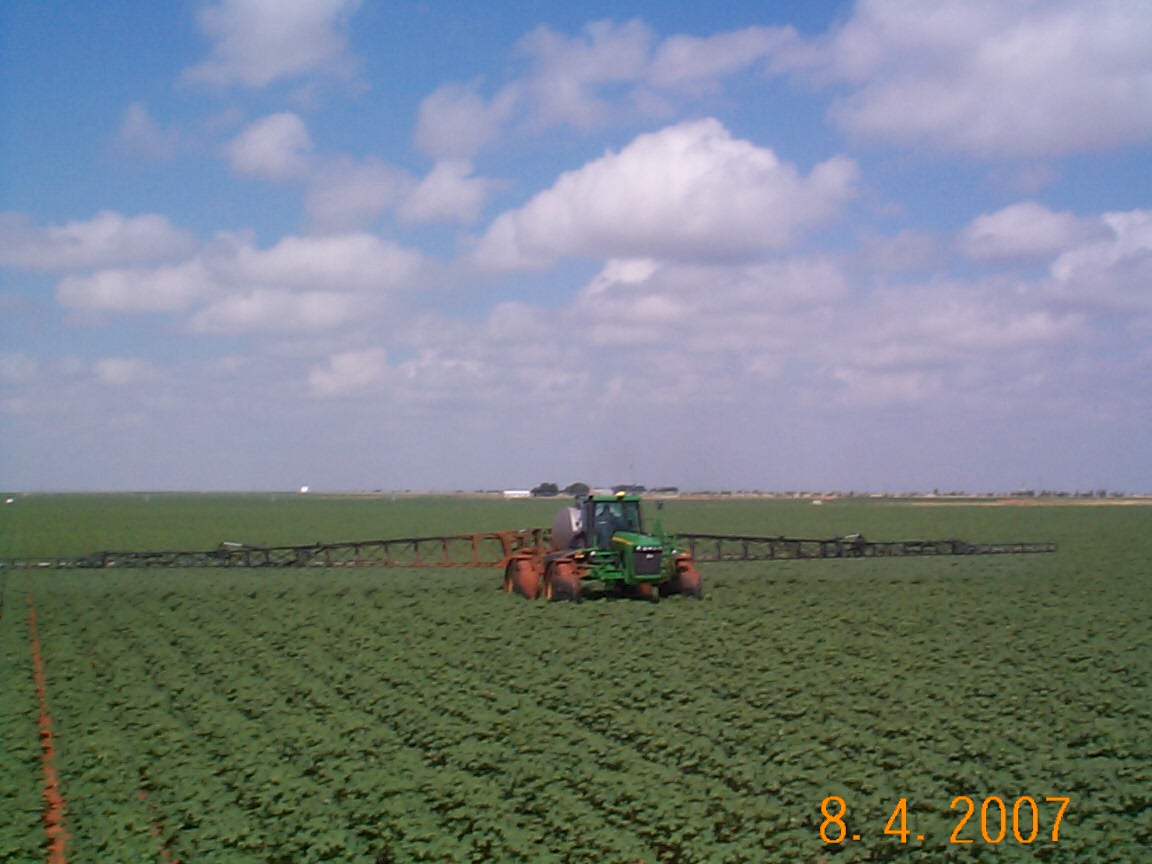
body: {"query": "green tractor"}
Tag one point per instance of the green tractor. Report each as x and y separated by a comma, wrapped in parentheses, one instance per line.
(602, 538)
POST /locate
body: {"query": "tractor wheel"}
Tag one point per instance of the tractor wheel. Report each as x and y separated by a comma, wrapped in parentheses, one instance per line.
(522, 575)
(645, 591)
(686, 581)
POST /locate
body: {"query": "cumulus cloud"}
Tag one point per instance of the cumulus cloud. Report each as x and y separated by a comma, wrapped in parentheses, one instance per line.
(301, 283)
(1025, 231)
(275, 309)
(448, 194)
(122, 371)
(455, 121)
(256, 42)
(608, 72)
(693, 62)
(688, 191)
(990, 78)
(351, 262)
(1112, 274)
(345, 194)
(622, 271)
(143, 136)
(106, 240)
(706, 308)
(915, 343)
(802, 330)
(277, 147)
(18, 368)
(568, 71)
(170, 288)
(349, 372)
(902, 251)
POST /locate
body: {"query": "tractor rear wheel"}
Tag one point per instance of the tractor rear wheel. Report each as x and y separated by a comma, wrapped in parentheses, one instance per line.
(562, 581)
(522, 576)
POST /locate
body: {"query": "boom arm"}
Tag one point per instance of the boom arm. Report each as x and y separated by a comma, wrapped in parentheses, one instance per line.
(495, 549)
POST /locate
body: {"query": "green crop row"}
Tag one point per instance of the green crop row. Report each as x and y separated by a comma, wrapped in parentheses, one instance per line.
(398, 716)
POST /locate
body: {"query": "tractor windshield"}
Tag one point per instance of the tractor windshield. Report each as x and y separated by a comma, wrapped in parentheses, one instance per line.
(613, 516)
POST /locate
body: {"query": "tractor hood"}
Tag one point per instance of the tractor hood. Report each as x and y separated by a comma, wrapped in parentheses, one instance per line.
(641, 555)
(628, 540)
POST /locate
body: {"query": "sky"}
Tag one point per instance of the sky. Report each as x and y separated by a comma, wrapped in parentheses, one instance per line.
(884, 245)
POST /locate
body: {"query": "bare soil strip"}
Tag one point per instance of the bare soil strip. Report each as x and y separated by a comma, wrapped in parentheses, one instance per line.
(53, 802)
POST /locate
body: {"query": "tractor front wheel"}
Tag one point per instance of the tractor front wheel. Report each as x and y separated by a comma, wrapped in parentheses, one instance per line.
(644, 591)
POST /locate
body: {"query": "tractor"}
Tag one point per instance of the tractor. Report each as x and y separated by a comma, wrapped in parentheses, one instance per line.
(603, 539)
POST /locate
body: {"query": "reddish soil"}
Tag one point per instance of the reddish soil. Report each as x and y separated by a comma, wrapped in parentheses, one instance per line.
(53, 802)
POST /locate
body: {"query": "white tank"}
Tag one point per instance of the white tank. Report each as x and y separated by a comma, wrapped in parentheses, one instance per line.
(568, 529)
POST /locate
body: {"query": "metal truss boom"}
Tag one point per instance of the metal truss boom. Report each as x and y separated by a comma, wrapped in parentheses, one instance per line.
(725, 547)
(496, 548)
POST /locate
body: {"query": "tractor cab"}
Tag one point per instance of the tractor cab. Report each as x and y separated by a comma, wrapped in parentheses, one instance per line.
(605, 517)
(614, 534)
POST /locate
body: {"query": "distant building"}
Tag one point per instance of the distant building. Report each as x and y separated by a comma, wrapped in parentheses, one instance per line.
(517, 493)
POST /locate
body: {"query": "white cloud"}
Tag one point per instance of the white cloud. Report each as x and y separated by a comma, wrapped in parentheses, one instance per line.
(18, 368)
(343, 262)
(622, 271)
(349, 372)
(607, 73)
(569, 70)
(345, 194)
(299, 284)
(454, 121)
(793, 331)
(1026, 231)
(708, 309)
(933, 325)
(990, 77)
(276, 147)
(107, 240)
(906, 250)
(171, 288)
(143, 136)
(1114, 274)
(274, 309)
(687, 191)
(448, 194)
(122, 371)
(694, 63)
(256, 42)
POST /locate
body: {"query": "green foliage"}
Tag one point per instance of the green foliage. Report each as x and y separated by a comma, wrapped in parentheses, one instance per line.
(401, 716)
(21, 834)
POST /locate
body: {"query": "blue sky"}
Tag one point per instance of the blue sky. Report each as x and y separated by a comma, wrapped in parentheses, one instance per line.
(876, 246)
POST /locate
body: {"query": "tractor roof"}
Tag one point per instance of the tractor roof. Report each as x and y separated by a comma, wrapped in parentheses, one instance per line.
(618, 496)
